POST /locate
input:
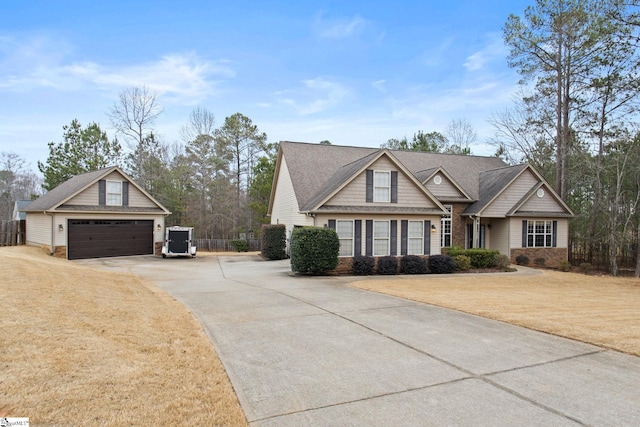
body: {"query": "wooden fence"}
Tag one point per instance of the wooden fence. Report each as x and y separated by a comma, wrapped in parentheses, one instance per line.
(224, 245)
(12, 233)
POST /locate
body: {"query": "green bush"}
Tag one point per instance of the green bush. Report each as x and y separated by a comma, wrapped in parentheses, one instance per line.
(564, 266)
(501, 261)
(441, 264)
(314, 250)
(274, 241)
(480, 258)
(362, 265)
(388, 265)
(463, 262)
(413, 264)
(240, 245)
(522, 259)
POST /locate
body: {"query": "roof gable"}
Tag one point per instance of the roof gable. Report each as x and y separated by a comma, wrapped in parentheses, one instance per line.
(58, 196)
(541, 200)
(442, 185)
(351, 192)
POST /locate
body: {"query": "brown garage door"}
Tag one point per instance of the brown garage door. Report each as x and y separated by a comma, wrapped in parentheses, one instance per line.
(105, 238)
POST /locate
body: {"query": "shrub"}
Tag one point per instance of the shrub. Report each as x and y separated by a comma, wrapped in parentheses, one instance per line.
(239, 245)
(441, 264)
(388, 265)
(501, 261)
(480, 258)
(564, 266)
(463, 262)
(314, 250)
(539, 262)
(522, 259)
(413, 264)
(274, 241)
(362, 265)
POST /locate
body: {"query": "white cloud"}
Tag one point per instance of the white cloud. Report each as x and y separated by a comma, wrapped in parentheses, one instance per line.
(495, 49)
(339, 28)
(317, 95)
(178, 77)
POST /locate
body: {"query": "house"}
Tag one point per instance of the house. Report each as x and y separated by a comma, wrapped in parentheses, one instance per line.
(20, 216)
(18, 210)
(390, 202)
(97, 214)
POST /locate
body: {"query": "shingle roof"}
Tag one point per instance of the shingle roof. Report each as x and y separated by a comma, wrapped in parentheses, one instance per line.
(58, 196)
(317, 170)
(67, 189)
(491, 183)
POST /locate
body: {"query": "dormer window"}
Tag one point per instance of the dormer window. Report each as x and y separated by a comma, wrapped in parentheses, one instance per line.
(114, 193)
(381, 186)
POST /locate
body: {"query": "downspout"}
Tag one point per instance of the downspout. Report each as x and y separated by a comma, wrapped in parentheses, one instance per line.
(53, 233)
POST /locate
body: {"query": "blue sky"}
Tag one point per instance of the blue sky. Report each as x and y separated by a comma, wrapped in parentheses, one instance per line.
(353, 72)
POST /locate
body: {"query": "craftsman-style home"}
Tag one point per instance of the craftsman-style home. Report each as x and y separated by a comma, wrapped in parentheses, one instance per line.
(389, 202)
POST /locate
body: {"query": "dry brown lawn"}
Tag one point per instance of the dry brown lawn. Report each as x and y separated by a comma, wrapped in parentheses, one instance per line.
(87, 347)
(600, 310)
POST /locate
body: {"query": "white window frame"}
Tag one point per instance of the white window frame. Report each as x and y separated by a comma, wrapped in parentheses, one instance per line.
(418, 237)
(346, 242)
(113, 196)
(386, 188)
(534, 232)
(446, 225)
(377, 240)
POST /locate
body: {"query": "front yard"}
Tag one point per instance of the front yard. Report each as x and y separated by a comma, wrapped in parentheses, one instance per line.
(600, 310)
(88, 347)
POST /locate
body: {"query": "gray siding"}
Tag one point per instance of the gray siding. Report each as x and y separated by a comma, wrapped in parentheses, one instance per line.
(354, 193)
(511, 196)
(546, 203)
(445, 190)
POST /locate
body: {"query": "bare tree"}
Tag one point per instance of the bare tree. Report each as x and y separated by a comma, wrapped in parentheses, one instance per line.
(201, 122)
(461, 135)
(16, 183)
(134, 114)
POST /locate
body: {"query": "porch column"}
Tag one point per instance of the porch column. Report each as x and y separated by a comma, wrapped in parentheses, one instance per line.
(476, 232)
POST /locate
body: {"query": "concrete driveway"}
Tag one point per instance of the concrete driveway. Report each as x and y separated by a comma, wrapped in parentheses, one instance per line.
(313, 351)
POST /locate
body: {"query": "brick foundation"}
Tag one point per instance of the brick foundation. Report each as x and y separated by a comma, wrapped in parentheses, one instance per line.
(158, 248)
(552, 256)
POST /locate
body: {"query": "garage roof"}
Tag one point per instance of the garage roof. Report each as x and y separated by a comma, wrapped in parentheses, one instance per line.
(54, 199)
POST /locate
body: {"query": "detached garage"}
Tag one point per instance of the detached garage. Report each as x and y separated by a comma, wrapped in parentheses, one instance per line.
(97, 214)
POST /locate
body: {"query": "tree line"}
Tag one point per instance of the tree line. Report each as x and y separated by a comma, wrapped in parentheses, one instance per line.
(575, 120)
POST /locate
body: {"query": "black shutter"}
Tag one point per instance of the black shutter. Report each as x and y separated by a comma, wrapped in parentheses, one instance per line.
(332, 224)
(427, 237)
(369, 238)
(125, 193)
(524, 233)
(369, 185)
(102, 192)
(393, 251)
(404, 231)
(394, 186)
(357, 238)
(554, 237)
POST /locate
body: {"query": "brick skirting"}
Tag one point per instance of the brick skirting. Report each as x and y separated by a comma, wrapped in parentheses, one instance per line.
(552, 256)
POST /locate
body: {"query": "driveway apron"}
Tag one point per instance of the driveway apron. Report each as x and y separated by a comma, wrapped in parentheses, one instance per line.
(314, 351)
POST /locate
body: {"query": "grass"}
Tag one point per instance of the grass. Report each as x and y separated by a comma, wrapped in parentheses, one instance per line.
(88, 347)
(600, 310)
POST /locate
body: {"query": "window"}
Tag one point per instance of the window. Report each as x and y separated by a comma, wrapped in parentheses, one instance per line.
(114, 193)
(539, 234)
(381, 186)
(380, 238)
(415, 235)
(345, 234)
(445, 229)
